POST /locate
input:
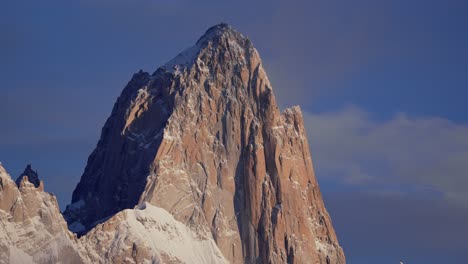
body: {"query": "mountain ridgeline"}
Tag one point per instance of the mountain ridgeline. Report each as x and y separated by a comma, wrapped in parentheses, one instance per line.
(196, 164)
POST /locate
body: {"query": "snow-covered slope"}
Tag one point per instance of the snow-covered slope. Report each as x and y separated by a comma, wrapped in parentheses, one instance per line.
(148, 234)
(32, 230)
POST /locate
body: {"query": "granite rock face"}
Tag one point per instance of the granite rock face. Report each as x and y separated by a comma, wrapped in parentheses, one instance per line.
(196, 164)
(32, 229)
(203, 139)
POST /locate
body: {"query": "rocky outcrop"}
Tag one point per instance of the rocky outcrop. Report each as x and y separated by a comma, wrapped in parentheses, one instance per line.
(32, 175)
(203, 139)
(116, 172)
(32, 229)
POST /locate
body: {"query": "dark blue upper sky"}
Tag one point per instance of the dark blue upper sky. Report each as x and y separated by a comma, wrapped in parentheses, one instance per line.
(383, 86)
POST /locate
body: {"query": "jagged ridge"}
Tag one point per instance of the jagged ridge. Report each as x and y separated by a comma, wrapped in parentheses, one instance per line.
(203, 138)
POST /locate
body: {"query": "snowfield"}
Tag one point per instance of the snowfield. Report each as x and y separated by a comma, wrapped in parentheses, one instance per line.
(155, 232)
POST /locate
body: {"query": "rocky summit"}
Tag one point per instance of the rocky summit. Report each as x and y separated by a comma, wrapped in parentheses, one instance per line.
(32, 229)
(196, 164)
(32, 175)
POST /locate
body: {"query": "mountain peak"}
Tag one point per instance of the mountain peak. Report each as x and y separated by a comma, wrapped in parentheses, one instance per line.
(32, 175)
(222, 37)
(203, 139)
(32, 229)
(218, 31)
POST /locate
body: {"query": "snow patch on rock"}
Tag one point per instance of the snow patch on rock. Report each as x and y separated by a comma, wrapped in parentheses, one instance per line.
(184, 60)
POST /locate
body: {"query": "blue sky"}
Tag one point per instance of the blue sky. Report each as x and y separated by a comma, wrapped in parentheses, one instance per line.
(383, 87)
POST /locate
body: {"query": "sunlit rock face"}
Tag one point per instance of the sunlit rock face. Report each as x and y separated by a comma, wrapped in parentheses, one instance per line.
(32, 229)
(203, 139)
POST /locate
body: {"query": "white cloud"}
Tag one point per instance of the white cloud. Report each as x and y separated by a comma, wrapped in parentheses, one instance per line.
(402, 153)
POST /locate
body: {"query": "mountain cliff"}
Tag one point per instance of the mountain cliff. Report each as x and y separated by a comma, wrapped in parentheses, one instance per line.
(32, 229)
(196, 164)
(203, 139)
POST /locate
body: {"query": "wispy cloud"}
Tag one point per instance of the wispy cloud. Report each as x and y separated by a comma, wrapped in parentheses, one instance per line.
(400, 154)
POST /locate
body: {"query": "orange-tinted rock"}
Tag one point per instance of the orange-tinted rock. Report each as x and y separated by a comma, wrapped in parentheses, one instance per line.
(203, 139)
